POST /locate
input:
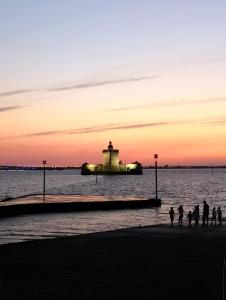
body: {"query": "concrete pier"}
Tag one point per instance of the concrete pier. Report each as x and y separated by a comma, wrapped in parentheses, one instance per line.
(67, 203)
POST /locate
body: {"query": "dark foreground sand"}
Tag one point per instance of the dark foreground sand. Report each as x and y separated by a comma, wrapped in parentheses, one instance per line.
(144, 263)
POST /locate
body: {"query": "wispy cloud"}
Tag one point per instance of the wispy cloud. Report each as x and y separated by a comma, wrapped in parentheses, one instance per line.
(93, 129)
(209, 100)
(125, 78)
(206, 60)
(132, 107)
(168, 64)
(14, 92)
(100, 83)
(167, 104)
(7, 108)
(218, 121)
(79, 85)
(101, 128)
(119, 126)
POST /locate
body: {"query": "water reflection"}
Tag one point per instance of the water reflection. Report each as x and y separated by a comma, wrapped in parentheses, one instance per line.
(188, 187)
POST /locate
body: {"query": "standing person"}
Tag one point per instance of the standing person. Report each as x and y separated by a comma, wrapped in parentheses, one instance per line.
(196, 215)
(205, 216)
(214, 216)
(197, 207)
(219, 215)
(189, 216)
(172, 214)
(181, 214)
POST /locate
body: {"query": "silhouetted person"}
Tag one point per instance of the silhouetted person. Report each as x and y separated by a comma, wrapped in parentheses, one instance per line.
(219, 215)
(197, 207)
(205, 216)
(196, 215)
(181, 214)
(214, 216)
(172, 214)
(189, 216)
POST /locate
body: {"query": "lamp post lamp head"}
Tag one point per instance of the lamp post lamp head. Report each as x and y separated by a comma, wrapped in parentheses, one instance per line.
(44, 162)
(155, 156)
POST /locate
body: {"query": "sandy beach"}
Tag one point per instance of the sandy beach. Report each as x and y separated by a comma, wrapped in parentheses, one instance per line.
(157, 262)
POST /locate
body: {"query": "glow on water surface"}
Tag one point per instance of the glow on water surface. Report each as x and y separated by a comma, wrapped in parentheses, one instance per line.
(188, 187)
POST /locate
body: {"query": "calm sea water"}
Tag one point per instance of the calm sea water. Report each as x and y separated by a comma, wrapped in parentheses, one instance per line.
(188, 187)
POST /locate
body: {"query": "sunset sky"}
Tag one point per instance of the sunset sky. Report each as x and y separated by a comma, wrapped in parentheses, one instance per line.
(148, 74)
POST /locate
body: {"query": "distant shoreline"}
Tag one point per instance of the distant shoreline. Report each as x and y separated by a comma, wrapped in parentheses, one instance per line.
(30, 168)
(21, 168)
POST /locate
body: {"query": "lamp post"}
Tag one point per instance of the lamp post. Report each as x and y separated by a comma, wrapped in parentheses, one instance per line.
(96, 171)
(44, 178)
(156, 176)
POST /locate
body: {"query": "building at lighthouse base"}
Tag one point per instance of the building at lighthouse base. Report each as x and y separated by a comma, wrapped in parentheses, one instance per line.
(111, 165)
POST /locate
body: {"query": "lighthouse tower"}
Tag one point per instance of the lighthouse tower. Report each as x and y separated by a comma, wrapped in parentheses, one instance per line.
(110, 159)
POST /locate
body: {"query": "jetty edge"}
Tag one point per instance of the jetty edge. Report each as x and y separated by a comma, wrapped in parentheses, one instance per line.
(37, 204)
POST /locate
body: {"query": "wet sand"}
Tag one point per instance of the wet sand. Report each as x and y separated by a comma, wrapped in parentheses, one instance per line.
(157, 262)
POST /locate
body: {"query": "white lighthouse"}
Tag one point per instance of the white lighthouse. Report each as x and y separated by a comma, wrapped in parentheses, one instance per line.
(111, 165)
(110, 158)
